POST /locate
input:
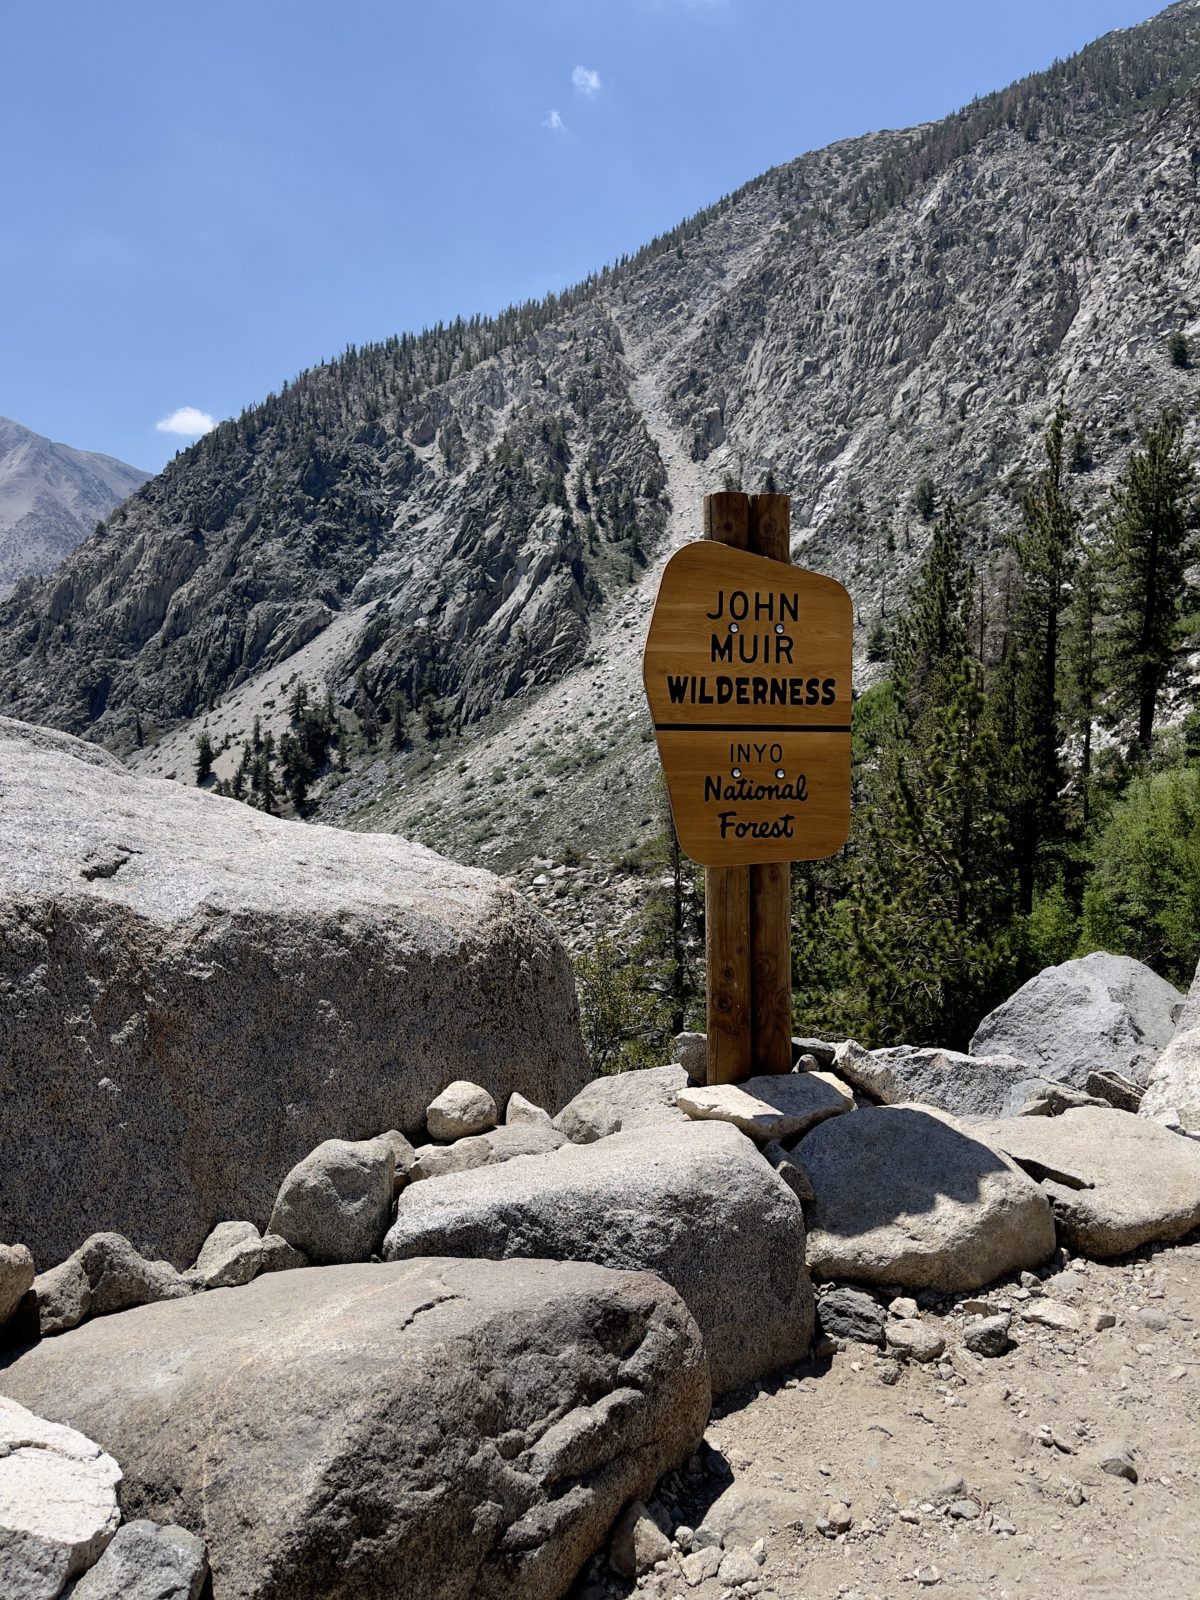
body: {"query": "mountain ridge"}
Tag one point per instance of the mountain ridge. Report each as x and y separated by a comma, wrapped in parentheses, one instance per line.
(894, 307)
(51, 497)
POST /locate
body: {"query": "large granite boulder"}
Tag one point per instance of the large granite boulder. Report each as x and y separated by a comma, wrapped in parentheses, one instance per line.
(906, 1195)
(58, 1503)
(1115, 1180)
(961, 1084)
(1098, 1012)
(1173, 1086)
(699, 1207)
(622, 1101)
(448, 1428)
(195, 995)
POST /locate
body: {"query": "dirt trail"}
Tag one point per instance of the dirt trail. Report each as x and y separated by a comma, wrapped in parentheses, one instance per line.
(970, 1477)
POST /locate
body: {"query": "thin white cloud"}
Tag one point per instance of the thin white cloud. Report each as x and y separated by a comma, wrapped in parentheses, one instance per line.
(587, 81)
(188, 422)
(555, 123)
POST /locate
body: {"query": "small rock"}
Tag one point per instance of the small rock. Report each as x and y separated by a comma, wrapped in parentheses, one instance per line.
(737, 1567)
(1116, 1458)
(927, 1576)
(700, 1566)
(638, 1543)
(104, 1275)
(462, 1108)
(903, 1306)
(521, 1112)
(1150, 1317)
(791, 1169)
(759, 1551)
(916, 1340)
(279, 1256)
(1003, 1525)
(1102, 1320)
(147, 1562)
(976, 1308)
(230, 1256)
(684, 1536)
(16, 1277)
(335, 1204)
(848, 1313)
(838, 1517)
(436, 1160)
(518, 1139)
(1051, 1314)
(964, 1510)
(403, 1154)
(691, 1051)
(989, 1336)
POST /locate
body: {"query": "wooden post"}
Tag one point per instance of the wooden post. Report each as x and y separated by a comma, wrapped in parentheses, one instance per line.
(747, 910)
(727, 889)
(771, 885)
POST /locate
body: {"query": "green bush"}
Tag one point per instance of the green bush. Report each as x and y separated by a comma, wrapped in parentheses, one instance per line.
(1143, 899)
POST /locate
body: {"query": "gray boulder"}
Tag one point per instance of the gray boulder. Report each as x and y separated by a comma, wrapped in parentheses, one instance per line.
(461, 1109)
(436, 1160)
(448, 1428)
(279, 1256)
(623, 1101)
(1173, 1083)
(907, 1196)
(159, 945)
(772, 1108)
(104, 1275)
(16, 1278)
(1114, 1180)
(334, 1205)
(520, 1112)
(961, 1084)
(58, 1503)
(691, 1052)
(1098, 1012)
(522, 1139)
(231, 1255)
(699, 1207)
(147, 1562)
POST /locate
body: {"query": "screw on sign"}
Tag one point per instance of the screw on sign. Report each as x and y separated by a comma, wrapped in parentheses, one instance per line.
(747, 670)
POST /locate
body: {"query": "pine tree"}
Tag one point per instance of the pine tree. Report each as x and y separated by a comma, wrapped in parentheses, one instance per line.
(1145, 553)
(930, 901)
(204, 757)
(1045, 550)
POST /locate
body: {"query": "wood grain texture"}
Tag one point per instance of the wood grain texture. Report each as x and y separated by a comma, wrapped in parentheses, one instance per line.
(771, 883)
(727, 889)
(727, 937)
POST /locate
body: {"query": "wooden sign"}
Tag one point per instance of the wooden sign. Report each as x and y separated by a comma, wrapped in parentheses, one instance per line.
(747, 670)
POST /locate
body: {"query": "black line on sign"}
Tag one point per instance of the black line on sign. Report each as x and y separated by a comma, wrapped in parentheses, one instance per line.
(751, 727)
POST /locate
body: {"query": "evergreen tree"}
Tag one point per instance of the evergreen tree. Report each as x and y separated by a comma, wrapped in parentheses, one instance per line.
(204, 757)
(1145, 553)
(930, 902)
(1045, 550)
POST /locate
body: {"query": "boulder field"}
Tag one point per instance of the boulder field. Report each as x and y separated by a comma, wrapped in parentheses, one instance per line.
(195, 994)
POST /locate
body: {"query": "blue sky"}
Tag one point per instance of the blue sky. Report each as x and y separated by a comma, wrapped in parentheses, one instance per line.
(198, 201)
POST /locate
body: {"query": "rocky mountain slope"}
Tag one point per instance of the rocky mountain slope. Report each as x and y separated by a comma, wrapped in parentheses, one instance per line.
(475, 519)
(51, 498)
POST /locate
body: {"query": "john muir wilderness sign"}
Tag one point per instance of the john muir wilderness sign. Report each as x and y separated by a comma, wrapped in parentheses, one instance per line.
(747, 669)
